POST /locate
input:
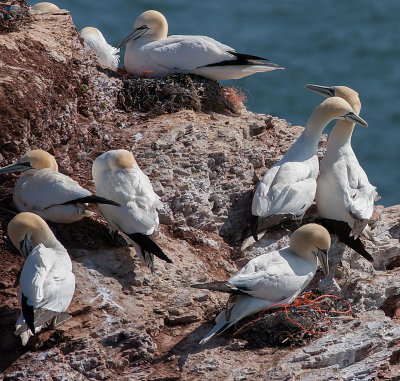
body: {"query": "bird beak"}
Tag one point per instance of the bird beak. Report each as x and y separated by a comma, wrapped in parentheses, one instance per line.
(135, 34)
(16, 167)
(325, 91)
(323, 259)
(351, 117)
(25, 246)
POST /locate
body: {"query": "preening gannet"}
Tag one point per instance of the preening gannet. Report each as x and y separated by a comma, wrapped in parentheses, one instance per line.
(118, 177)
(45, 191)
(47, 283)
(288, 189)
(275, 277)
(148, 49)
(106, 54)
(343, 190)
(45, 7)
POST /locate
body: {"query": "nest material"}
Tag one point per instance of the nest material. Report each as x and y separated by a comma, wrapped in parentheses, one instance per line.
(13, 14)
(174, 93)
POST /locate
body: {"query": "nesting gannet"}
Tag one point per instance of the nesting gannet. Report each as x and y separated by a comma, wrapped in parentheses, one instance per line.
(106, 54)
(118, 177)
(45, 7)
(343, 190)
(148, 49)
(47, 283)
(288, 189)
(275, 277)
(45, 191)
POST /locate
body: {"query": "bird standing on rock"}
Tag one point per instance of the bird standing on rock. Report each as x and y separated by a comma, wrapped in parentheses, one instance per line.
(149, 50)
(288, 189)
(271, 278)
(118, 177)
(344, 195)
(47, 283)
(45, 191)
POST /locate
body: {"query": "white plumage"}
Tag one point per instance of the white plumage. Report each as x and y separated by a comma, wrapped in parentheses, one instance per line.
(275, 277)
(43, 190)
(343, 191)
(150, 50)
(118, 177)
(289, 186)
(46, 280)
(106, 54)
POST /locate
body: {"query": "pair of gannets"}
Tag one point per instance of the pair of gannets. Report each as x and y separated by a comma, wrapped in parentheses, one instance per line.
(288, 188)
(272, 278)
(47, 283)
(148, 49)
(118, 177)
(45, 191)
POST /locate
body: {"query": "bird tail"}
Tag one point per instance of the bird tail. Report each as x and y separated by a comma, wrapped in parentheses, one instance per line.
(93, 199)
(260, 224)
(343, 231)
(148, 247)
(221, 325)
(220, 286)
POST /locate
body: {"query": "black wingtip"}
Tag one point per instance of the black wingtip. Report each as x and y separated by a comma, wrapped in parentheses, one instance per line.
(93, 199)
(343, 230)
(147, 244)
(254, 226)
(220, 286)
(28, 313)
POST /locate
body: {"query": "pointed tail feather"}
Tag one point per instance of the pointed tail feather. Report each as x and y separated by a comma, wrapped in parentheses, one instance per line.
(148, 245)
(93, 199)
(260, 224)
(41, 316)
(343, 230)
(220, 286)
(220, 326)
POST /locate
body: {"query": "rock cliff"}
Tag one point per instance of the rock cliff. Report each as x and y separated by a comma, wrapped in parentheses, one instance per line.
(127, 323)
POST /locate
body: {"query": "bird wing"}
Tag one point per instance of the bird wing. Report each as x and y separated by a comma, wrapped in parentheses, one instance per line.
(270, 276)
(358, 193)
(288, 188)
(47, 280)
(47, 188)
(188, 52)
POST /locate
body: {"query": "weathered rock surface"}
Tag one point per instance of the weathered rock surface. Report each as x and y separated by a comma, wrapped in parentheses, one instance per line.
(129, 324)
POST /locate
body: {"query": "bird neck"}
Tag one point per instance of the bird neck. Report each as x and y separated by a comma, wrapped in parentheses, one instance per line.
(340, 136)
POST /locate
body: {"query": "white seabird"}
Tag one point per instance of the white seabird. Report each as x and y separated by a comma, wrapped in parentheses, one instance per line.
(148, 49)
(271, 278)
(343, 190)
(118, 177)
(47, 283)
(106, 54)
(45, 191)
(45, 7)
(288, 189)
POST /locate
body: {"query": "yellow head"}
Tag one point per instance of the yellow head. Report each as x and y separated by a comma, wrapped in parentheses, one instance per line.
(312, 238)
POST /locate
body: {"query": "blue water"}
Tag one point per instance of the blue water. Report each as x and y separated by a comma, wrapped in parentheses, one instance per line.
(326, 42)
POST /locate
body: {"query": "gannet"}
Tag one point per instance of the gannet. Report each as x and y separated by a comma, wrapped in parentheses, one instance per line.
(274, 277)
(148, 49)
(45, 7)
(47, 283)
(288, 189)
(343, 190)
(118, 177)
(106, 54)
(45, 191)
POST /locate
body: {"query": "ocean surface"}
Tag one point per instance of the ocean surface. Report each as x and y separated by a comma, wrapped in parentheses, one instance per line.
(327, 42)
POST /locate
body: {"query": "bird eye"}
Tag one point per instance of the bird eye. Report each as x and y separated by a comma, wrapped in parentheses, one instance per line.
(144, 26)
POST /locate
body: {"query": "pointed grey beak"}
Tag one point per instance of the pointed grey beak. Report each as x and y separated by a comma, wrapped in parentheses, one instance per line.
(25, 246)
(323, 259)
(16, 167)
(135, 34)
(325, 91)
(354, 118)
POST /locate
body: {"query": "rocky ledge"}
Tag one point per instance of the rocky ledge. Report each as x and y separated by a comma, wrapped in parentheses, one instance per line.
(127, 323)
